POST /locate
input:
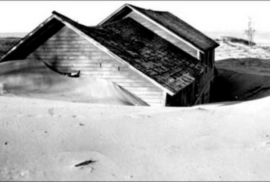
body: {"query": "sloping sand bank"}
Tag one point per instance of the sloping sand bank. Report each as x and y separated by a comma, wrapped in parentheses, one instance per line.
(30, 78)
(241, 79)
(233, 85)
(57, 140)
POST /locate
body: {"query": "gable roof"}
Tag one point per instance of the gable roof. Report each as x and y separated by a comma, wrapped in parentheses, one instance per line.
(33, 39)
(171, 23)
(152, 56)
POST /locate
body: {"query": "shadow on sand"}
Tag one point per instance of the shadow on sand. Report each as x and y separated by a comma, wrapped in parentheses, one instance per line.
(241, 80)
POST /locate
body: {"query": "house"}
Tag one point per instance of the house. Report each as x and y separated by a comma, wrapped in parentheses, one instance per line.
(153, 55)
(171, 28)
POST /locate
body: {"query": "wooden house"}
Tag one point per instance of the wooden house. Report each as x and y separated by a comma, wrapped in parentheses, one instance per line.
(153, 55)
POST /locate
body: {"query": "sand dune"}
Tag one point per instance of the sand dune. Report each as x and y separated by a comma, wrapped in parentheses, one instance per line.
(44, 135)
(57, 140)
(229, 50)
(30, 78)
(243, 72)
(231, 85)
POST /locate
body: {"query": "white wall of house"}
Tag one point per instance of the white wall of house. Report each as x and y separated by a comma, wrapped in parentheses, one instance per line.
(68, 52)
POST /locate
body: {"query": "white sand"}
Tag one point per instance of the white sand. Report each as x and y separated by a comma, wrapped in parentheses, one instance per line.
(44, 140)
(228, 50)
(32, 78)
(44, 134)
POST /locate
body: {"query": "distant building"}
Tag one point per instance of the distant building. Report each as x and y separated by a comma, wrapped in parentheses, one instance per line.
(154, 55)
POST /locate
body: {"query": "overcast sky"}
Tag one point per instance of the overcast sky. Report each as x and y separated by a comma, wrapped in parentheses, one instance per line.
(24, 16)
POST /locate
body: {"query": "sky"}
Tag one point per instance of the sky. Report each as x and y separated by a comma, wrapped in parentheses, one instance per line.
(24, 16)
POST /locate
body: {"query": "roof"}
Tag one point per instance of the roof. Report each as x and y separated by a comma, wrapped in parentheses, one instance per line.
(174, 25)
(33, 40)
(152, 55)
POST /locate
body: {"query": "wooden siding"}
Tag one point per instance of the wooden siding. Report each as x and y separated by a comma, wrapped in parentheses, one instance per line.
(205, 86)
(212, 57)
(185, 97)
(196, 93)
(68, 52)
(181, 44)
(208, 58)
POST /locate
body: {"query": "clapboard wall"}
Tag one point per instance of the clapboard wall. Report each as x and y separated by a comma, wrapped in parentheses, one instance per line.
(185, 97)
(164, 34)
(67, 52)
(208, 58)
(198, 92)
(195, 93)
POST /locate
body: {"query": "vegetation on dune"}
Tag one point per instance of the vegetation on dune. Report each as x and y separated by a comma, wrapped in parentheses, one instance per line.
(236, 40)
(250, 33)
(244, 63)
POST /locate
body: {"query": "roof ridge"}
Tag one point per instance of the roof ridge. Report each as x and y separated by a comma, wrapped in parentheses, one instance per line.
(136, 7)
(69, 20)
(188, 25)
(159, 18)
(136, 53)
(112, 23)
(59, 14)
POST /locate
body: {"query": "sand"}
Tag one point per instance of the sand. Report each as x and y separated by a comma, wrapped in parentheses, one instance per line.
(234, 85)
(243, 72)
(32, 78)
(45, 140)
(56, 128)
(228, 50)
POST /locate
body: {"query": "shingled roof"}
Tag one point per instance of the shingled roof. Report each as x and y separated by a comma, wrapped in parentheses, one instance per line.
(152, 55)
(171, 23)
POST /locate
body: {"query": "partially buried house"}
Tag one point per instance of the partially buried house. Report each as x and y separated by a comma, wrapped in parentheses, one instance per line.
(153, 55)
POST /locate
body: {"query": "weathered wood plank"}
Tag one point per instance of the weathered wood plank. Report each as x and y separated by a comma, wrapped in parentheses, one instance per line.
(181, 44)
(68, 51)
